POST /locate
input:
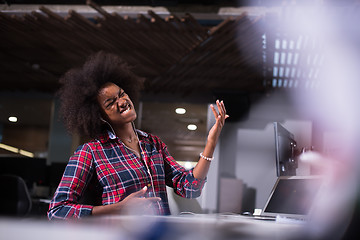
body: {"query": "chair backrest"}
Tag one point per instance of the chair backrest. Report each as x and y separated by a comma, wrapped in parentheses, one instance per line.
(180, 205)
(15, 199)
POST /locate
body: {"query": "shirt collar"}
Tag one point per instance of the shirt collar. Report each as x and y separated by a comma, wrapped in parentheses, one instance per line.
(141, 133)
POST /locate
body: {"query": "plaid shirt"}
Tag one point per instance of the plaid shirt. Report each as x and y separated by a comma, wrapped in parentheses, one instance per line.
(119, 172)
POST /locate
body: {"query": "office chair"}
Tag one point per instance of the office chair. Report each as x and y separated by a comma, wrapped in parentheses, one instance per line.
(179, 205)
(15, 200)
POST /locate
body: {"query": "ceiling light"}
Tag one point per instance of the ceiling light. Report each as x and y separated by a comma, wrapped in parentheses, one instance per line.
(12, 119)
(180, 110)
(192, 127)
(16, 150)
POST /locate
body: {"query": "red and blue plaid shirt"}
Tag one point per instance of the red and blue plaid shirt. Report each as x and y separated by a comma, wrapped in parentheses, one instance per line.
(120, 172)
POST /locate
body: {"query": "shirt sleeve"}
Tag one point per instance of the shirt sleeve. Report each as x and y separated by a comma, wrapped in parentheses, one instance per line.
(77, 174)
(182, 180)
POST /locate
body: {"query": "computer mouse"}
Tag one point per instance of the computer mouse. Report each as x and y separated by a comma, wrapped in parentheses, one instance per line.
(247, 214)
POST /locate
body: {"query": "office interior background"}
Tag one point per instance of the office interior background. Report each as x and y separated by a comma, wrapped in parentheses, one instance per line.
(292, 62)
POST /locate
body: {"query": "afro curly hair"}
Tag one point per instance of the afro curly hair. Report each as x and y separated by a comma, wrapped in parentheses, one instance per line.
(79, 108)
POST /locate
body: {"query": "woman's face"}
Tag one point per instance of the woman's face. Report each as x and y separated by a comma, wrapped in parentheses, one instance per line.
(116, 105)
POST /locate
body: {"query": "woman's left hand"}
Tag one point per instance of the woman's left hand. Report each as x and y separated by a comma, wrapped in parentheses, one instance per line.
(220, 117)
(202, 167)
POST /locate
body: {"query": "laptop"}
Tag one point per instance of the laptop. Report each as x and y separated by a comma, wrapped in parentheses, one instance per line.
(292, 197)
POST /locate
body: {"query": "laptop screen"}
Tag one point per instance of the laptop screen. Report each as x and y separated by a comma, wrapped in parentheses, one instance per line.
(292, 196)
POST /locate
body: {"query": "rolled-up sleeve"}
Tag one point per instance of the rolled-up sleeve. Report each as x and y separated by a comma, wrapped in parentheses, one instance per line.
(182, 180)
(77, 174)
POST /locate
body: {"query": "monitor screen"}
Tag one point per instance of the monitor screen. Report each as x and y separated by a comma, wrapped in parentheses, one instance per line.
(285, 145)
(293, 195)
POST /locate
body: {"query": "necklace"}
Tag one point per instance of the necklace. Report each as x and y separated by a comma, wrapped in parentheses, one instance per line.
(133, 150)
(129, 140)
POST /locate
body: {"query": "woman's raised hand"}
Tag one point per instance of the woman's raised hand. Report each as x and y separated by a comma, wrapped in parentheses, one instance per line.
(220, 117)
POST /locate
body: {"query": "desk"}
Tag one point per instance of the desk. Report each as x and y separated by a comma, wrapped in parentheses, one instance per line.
(192, 227)
(205, 226)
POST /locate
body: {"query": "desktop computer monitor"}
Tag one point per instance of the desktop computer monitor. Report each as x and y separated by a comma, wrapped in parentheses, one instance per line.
(285, 147)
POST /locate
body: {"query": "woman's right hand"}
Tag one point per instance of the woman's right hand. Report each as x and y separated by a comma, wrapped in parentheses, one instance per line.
(134, 204)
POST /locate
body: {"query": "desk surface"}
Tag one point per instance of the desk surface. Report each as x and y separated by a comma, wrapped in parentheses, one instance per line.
(189, 226)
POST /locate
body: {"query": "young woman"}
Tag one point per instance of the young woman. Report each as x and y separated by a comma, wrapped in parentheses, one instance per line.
(130, 167)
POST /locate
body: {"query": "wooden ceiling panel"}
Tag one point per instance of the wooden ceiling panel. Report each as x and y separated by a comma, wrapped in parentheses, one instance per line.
(173, 54)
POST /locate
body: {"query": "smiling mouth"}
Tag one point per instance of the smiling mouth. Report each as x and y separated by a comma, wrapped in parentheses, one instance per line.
(125, 108)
